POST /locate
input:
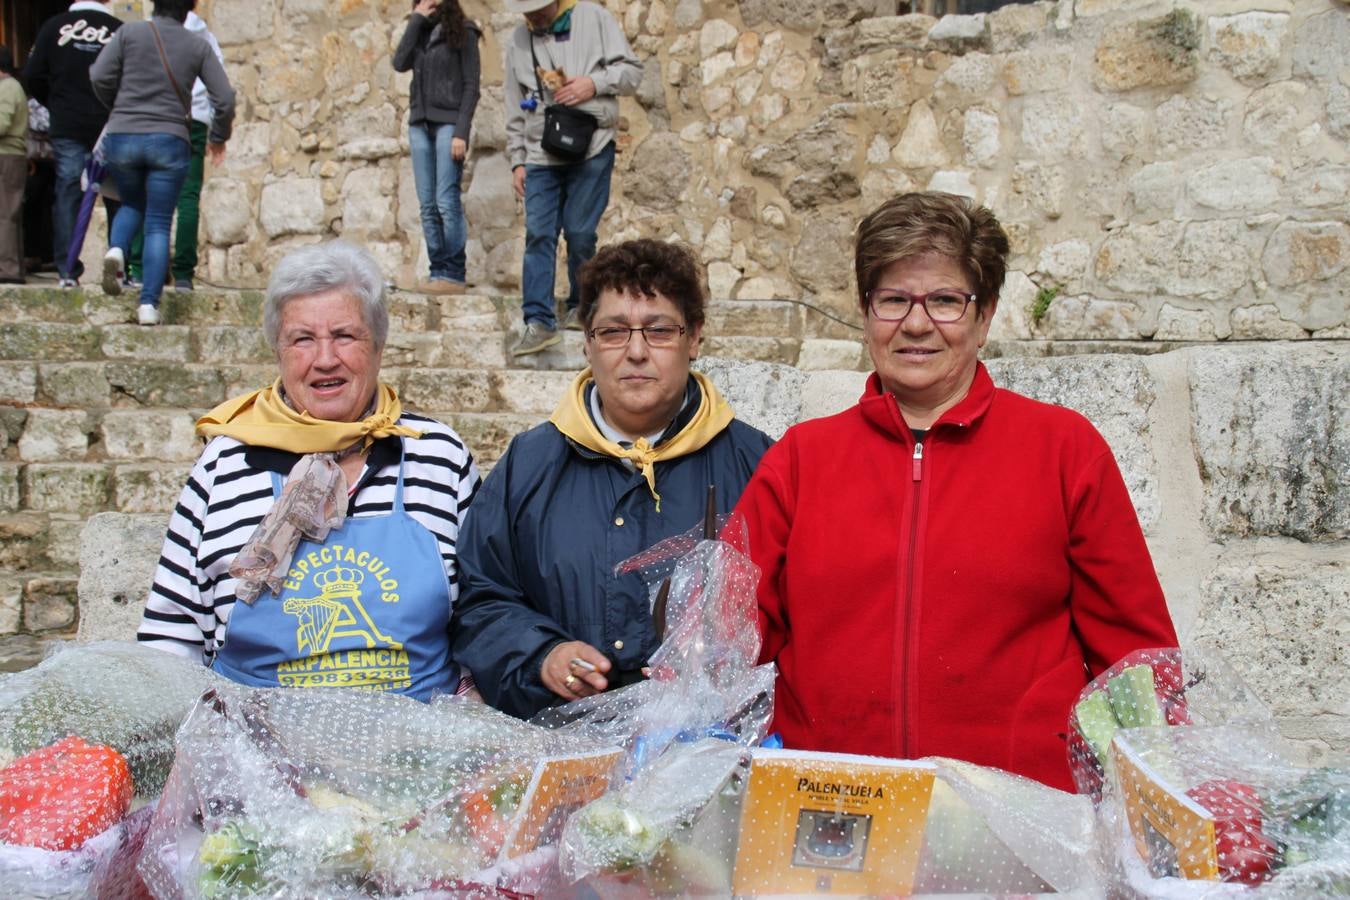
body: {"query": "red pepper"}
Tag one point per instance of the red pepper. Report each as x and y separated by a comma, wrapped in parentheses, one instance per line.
(60, 796)
(1244, 852)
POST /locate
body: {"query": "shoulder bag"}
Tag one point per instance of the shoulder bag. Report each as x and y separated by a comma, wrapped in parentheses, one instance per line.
(567, 130)
(182, 98)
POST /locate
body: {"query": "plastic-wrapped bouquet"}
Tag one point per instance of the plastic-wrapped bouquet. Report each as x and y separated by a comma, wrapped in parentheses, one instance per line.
(86, 741)
(671, 827)
(348, 793)
(1199, 795)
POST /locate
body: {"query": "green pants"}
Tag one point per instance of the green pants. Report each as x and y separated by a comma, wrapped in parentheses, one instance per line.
(184, 262)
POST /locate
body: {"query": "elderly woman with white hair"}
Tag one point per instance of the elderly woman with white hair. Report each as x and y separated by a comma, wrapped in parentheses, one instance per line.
(314, 542)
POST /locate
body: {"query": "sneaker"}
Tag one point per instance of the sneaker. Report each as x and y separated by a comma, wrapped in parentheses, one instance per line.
(570, 320)
(441, 286)
(114, 271)
(537, 336)
(67, 284)
(182, 285)
(147, 314)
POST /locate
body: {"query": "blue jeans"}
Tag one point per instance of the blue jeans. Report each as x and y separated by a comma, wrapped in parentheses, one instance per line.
(437, 175)
(71, 158)
(149, 170)
(571, 199)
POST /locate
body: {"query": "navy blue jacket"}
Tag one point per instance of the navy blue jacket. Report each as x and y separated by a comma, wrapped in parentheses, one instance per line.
(538, 547)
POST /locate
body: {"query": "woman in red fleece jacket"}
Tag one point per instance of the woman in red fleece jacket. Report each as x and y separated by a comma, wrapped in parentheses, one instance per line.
(945, 564)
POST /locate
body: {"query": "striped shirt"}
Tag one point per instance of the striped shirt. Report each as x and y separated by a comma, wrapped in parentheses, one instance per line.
(226, 497)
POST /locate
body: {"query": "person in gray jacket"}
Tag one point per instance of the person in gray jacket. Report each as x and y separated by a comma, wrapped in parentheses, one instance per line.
(145, 76)
(440, 46)
(572, 54)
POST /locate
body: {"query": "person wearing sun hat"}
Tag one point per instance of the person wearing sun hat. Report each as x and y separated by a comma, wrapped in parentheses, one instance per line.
(571, 53)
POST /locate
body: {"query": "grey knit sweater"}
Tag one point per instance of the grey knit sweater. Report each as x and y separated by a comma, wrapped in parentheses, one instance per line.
(129, 78)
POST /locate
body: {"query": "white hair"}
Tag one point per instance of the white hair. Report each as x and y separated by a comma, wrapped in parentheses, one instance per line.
(335, 265)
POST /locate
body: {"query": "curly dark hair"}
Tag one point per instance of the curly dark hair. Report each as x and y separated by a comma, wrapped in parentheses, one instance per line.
(645, 267)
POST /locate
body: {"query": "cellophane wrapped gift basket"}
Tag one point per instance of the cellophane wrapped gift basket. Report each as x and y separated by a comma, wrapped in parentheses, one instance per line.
(1198, 794)
(668, 787)
(705, 809)
(86, 742)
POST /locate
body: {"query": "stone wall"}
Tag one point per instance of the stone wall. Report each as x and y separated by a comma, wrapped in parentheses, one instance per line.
(1166, 172)
(1236, 458)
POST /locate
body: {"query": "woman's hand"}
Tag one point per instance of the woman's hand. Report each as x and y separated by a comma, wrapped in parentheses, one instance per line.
(574, 669)
(426, 7)
(518, 181)
(575, 90)
(458, 149)
(216, 152)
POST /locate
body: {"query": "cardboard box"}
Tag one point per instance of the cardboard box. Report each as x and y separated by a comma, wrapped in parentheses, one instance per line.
(1173, 834)
(827, 823)
(559, 786)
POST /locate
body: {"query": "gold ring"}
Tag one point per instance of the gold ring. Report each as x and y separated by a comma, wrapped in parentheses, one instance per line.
(569, 681)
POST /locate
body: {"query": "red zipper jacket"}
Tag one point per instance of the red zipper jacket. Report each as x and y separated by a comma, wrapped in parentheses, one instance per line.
(951, 597)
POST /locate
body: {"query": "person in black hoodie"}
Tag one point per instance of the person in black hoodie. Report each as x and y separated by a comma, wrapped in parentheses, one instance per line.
(440, 46)
(57, 75)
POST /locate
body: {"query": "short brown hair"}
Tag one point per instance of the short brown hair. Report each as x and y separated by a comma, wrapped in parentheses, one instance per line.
(923, 222)
(645, 267)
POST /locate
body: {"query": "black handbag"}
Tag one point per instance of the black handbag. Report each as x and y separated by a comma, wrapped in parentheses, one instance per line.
(567, 130)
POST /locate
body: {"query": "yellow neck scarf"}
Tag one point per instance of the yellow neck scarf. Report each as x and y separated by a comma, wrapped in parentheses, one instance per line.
(573, 419)
(262, 419)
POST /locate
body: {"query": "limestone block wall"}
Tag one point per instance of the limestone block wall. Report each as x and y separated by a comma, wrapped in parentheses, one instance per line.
(1236, 457)
(1168, 171)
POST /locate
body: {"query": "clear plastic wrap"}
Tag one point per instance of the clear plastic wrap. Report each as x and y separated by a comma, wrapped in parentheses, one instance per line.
(86, 736)
(704, 680)
(1198, 793)
(671, 827)
(1198, 811)
(1154, 688)
(670, 831)
(988, 831)
(104, 867)
(832, 823)
(346, 793)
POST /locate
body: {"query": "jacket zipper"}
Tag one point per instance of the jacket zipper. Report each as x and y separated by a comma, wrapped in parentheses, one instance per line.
(907, 649)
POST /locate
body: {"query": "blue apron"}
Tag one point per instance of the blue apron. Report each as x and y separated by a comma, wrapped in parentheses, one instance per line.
(368, 608)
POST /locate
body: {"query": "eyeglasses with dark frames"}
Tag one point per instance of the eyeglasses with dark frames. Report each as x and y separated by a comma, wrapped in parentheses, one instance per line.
(614, 336)
(945, 305)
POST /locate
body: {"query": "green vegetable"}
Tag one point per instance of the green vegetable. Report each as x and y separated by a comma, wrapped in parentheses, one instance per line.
(231, 859)
(1098, 725)
(617, 838)
(1311, 817)
(53, 711)
(1133, 699)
